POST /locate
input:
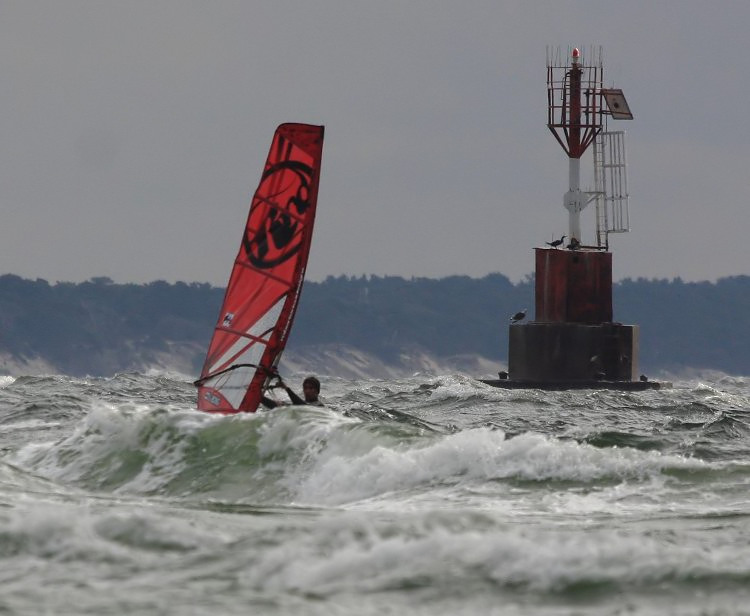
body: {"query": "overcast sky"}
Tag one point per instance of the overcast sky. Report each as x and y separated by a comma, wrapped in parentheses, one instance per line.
(133, 133)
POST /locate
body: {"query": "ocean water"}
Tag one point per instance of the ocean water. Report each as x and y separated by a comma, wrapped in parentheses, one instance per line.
(426, 495)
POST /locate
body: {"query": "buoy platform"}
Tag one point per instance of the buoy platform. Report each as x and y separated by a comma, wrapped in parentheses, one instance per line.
(568, 385)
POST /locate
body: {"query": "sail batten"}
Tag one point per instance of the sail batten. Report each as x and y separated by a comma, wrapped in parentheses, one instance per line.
(267, 275)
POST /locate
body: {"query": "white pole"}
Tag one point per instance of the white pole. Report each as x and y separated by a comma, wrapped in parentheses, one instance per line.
(575, 200)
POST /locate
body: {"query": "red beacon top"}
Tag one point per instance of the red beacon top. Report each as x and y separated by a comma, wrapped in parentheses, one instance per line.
(576, 54)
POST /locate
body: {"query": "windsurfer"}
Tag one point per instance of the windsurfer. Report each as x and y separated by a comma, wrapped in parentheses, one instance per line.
(310, 391)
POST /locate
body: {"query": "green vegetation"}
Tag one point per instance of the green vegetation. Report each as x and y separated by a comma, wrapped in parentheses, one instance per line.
(99, 328)
(446, 317)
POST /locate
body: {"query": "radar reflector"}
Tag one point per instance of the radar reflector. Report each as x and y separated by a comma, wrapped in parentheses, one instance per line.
(618, 106)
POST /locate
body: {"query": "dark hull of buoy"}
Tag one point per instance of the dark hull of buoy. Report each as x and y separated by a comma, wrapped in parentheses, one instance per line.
(573, 352)
(573, 343)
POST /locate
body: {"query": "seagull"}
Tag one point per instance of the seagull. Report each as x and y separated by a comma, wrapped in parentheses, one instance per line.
(518, 316)
(556, 243)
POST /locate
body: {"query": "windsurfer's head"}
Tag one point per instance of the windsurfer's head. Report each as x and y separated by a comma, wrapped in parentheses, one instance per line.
(311, 389)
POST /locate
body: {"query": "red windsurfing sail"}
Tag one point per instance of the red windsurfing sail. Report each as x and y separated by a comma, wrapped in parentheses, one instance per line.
(266, 280)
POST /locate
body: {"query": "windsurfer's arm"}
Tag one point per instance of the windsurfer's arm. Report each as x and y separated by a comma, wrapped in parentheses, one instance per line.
(268, 403)
(294, 397)
(290, 392)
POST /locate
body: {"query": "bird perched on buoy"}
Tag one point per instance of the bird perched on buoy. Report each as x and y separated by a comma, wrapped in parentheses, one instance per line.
(518, 316)
(556, 243)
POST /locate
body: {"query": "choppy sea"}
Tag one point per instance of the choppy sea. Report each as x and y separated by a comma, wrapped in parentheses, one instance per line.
(426, 495)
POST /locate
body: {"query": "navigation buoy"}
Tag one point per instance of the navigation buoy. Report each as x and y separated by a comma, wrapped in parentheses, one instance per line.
(573, 322)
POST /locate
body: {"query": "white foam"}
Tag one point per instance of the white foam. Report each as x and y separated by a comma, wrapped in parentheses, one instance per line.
(6, 380)
(97, 441)
(65, 531)
(349, 472)
(362, 554)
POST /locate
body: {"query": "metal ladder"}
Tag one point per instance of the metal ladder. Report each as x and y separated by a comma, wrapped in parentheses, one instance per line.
(610, 186)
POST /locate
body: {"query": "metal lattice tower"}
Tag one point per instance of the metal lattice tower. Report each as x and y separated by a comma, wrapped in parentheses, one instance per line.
(577, 109)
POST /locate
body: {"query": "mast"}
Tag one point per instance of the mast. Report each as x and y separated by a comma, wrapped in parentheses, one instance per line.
(577, 111)
(574, 94)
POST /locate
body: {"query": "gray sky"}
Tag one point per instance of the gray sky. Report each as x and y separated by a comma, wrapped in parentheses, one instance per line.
(133, 133)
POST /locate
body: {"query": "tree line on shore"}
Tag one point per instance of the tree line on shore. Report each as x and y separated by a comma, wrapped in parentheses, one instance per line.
(99, 327)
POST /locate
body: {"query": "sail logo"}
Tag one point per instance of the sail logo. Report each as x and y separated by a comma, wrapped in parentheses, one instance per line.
(212, 398)
(274, 233)
(227, 319)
